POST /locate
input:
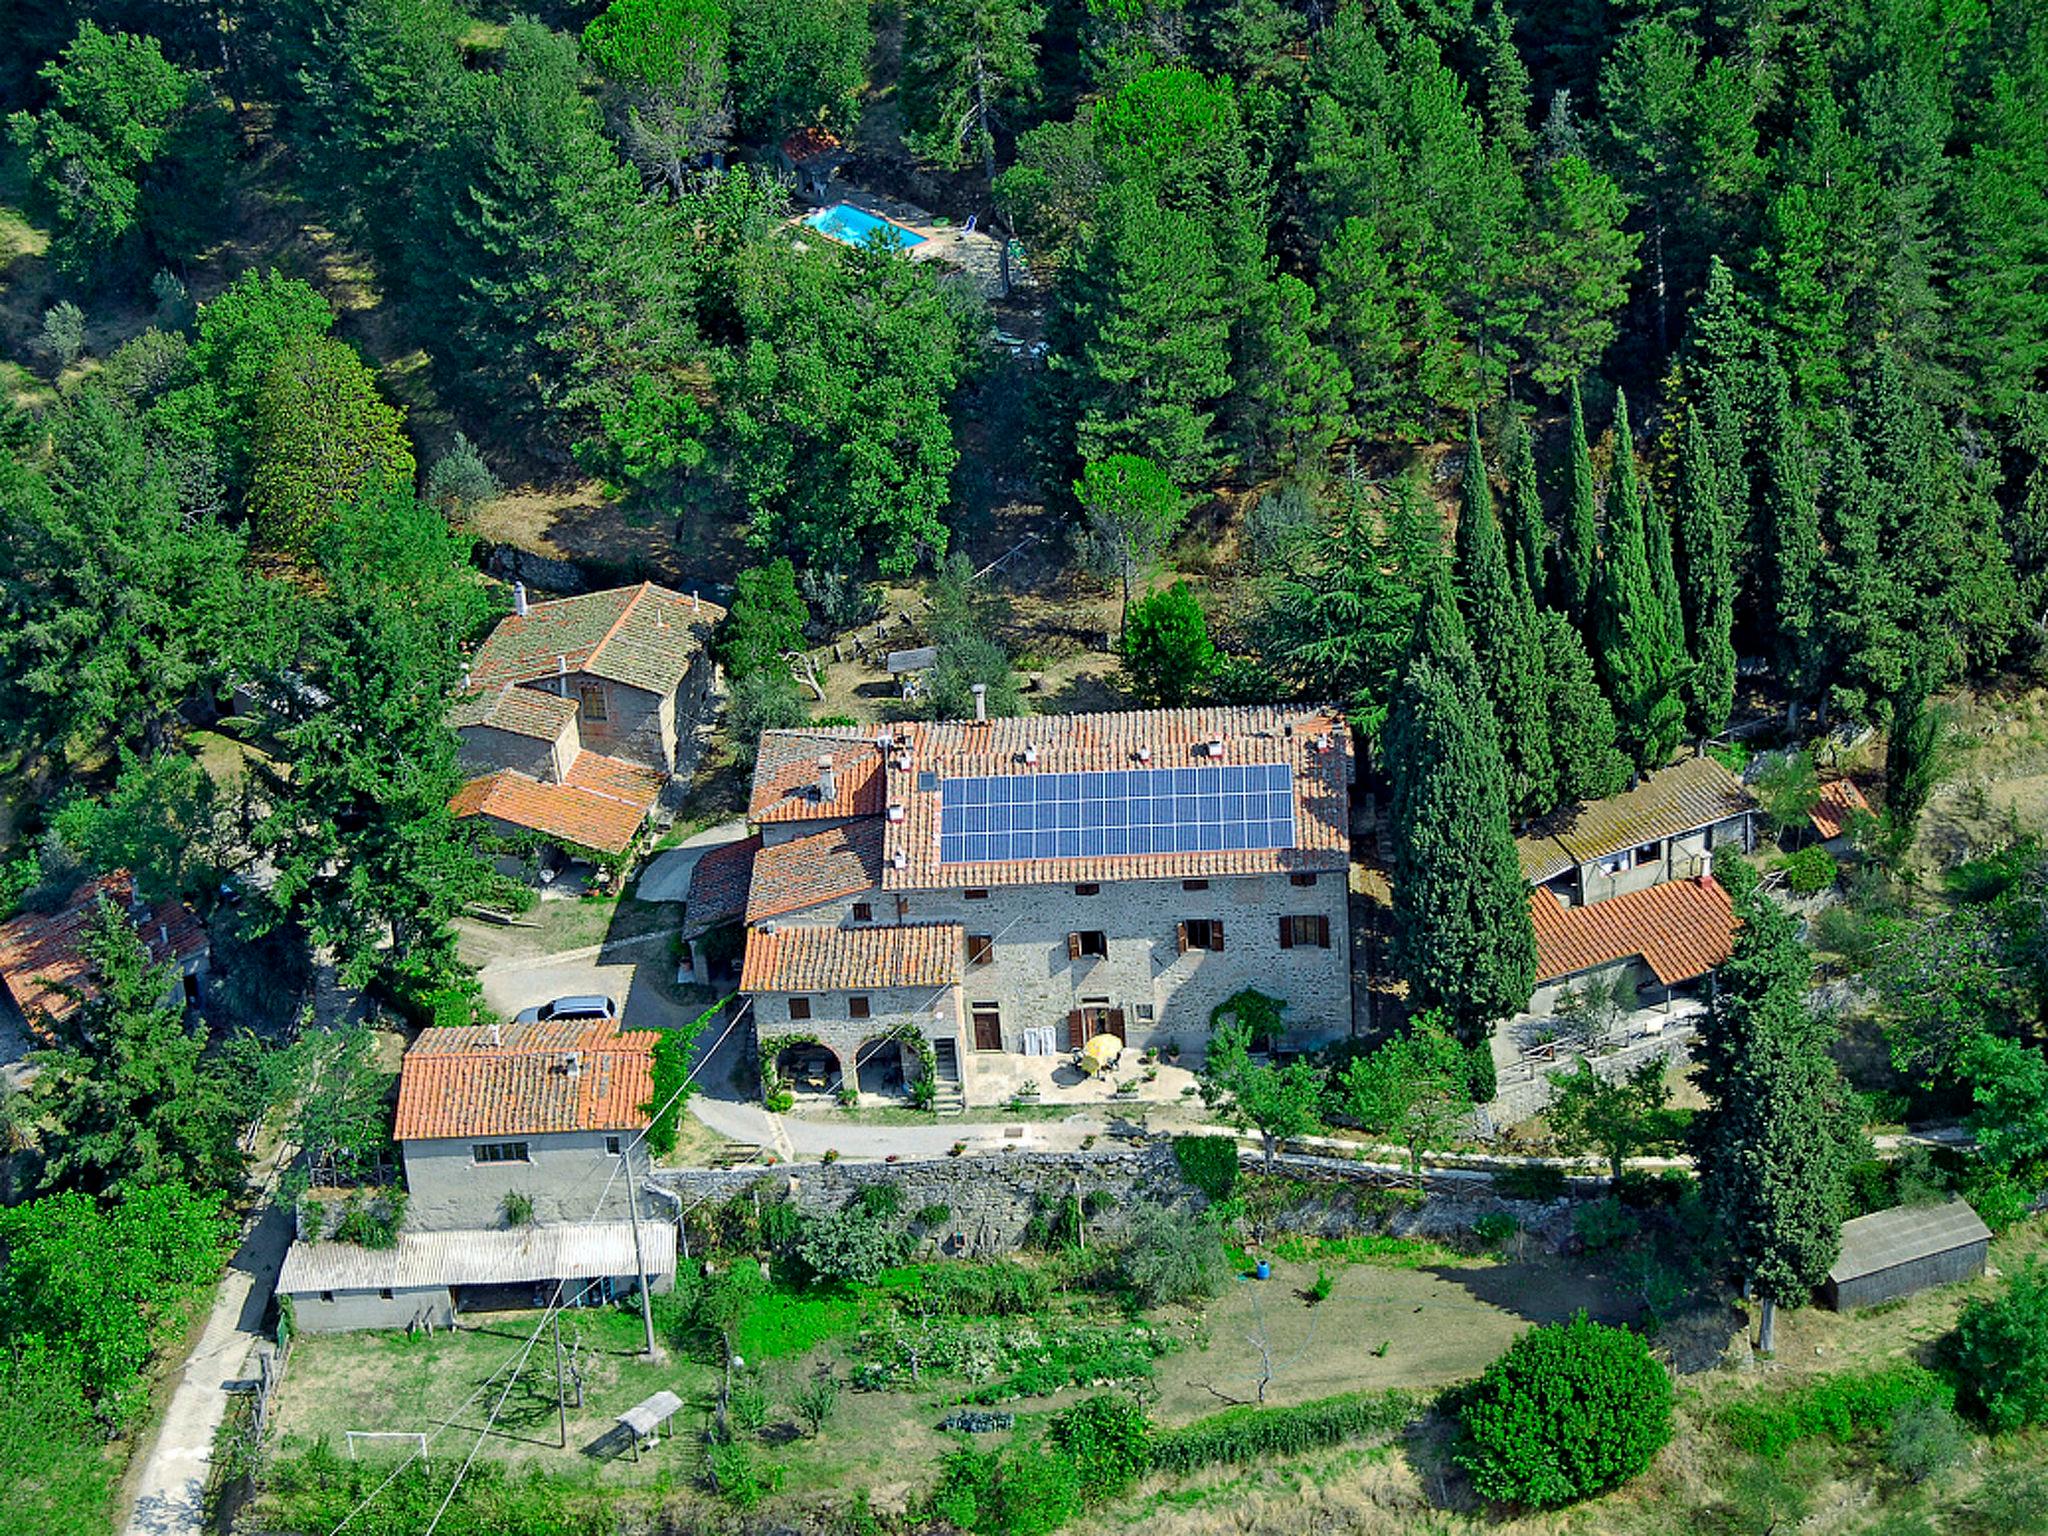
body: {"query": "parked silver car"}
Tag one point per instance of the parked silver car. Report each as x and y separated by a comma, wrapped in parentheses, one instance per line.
(570, 1010)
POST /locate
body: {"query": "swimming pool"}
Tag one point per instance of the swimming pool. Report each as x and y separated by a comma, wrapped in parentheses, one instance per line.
(856, 226)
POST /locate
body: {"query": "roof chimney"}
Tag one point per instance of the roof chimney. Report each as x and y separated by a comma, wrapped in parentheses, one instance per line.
(828, 782)
(693, 600)
(573, 1065)
(497, 1036)
(981, 703)
(519, 598)
(163, 933)
(465, 680)
(562, 665)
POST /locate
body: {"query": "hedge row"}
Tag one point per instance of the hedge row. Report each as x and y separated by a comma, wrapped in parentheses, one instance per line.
(1838, 1409)
(1245, 1434)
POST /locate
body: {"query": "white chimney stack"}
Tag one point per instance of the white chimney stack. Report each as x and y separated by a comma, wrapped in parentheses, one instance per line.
(981, 703)
(693, 602)
(828, 783)
(465, 680)
(561, 666)
(497, 1038)
(519, 598)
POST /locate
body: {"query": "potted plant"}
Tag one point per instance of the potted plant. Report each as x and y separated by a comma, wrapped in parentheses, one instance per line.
(1172, 1048)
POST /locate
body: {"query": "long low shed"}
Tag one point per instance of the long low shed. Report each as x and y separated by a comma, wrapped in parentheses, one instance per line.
(1906, 1249)
(426, 1278)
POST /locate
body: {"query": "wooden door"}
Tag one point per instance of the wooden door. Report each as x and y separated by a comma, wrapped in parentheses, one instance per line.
(988, 1030)
(1115, 1025)
(1077, 1029)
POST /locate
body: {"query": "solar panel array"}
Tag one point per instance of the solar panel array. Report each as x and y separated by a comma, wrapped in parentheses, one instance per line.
(1140, 811)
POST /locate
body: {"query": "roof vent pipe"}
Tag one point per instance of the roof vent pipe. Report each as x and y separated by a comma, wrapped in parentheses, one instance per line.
(497, 1036)
(519, 598)
(828, 783)
(695, 604)
(574, 1065)
(562, 665)
(981, 703)
(465, 680)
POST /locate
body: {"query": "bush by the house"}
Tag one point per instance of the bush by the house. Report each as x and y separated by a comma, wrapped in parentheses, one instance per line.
(1605, 1224)
(1838, 1408)
(1569, 1410)
(1108, 1438)
(1169, 1257)
(1809, 871)
(1239, 1435)
(1209, 1163)
(2001, 1352)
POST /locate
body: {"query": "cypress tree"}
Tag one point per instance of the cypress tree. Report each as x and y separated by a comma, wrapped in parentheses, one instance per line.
(1788, 544)
(1582, 731)
(1578, 550)
(1501, 620)
(1860, 638)
(1663, 571)
(1705, 570)
(1638, 654)
(1522, 516)
(1775, 1141)
(1462, 933)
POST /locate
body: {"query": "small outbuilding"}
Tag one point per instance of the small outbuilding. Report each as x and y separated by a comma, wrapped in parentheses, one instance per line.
(1908, 1248)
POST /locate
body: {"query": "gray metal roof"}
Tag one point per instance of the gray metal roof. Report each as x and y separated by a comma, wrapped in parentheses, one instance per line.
(504, 1257)
(649, 1414)
(1902, 1234)
(1690, 794)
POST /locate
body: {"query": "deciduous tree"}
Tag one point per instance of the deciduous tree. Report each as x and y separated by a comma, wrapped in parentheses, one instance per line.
(1168, 655)
(323, 436)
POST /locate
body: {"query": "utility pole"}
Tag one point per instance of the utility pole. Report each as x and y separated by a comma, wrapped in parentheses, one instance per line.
(561, 1405)
(639, 1259)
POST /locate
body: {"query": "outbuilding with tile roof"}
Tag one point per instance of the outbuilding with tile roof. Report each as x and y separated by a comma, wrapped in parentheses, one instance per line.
(46, 969)
(540, 1110)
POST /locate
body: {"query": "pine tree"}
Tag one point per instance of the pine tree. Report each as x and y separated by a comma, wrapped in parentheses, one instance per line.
(1462, 932)
(1522, 520)
(1774, 1143)
(1578, 549)
(1294, 390)
(1787, 528)
(1582, 730)
(1864, 648)
(1638, 655)
(1705, 570)
(1365, 325)
(1502, 623)
(964, 62)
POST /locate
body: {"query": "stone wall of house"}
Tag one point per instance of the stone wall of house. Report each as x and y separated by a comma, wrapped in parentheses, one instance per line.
(569, 1177)
(932, 1012)
(485, 748)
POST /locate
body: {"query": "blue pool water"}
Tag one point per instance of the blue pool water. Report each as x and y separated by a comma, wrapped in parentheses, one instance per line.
(856, 226)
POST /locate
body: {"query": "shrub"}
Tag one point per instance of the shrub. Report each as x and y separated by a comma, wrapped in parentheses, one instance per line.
(1809, 871)
(1531, 1181)
(782, 1223)
(780, 1102)
(372, 1221)
(734, 1477)
(1495, 1228)
(815, 1398)
(1209, 1163)
(996, 1289)
(1568, 1411)
(1324, 1284)
(1924, 1438)
(934, 1215)
(879, 1200)
(1605, 1224)
(518, 1208)
(459, 481)
(1837, 1409)
(2001, 1350)
(1108, 1438)
(1022, 1490)
(1245, 1434)
(848, 1245)
(64, 332)
(747, 1407)
(1169, 1258)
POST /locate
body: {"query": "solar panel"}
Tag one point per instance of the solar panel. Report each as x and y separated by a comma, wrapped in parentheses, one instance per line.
(1115, 814)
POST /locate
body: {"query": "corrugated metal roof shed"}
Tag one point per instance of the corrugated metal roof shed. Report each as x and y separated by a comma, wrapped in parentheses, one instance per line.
(509, 1257)
(1886, 1239)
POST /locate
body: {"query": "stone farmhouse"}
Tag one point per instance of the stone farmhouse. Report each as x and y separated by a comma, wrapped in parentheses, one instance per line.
(1622, 891)
(921, 897)
(546, 1113)
(45, 972)
(576, 713)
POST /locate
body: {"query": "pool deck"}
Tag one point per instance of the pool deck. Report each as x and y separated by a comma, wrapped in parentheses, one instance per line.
(975, 252)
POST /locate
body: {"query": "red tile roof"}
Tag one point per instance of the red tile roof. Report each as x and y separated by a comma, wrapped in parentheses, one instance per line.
(601, 804)
(1681, 929)
(852, 959)
(644, 636)
(537, 1078)
(825, 866)
(718, 886)
(807, 142)
(44, 952)
(509, 707)
(786, 776)
(1313, 741)
(1840, 802)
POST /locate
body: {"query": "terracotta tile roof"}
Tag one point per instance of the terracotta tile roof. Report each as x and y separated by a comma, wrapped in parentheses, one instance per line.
(644, 636)
(852, 959)
(808, 142)
(508, 707)
(1681, 929)
(536, 1079)
(601, 804)
(41, 952)
(1682, 798)
(718, 886)
(786, 775)
(1840, 801)
(822, 867)
(1313, 741)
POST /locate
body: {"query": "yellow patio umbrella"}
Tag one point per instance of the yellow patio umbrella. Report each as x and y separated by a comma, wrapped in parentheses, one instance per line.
(1101, 1052)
